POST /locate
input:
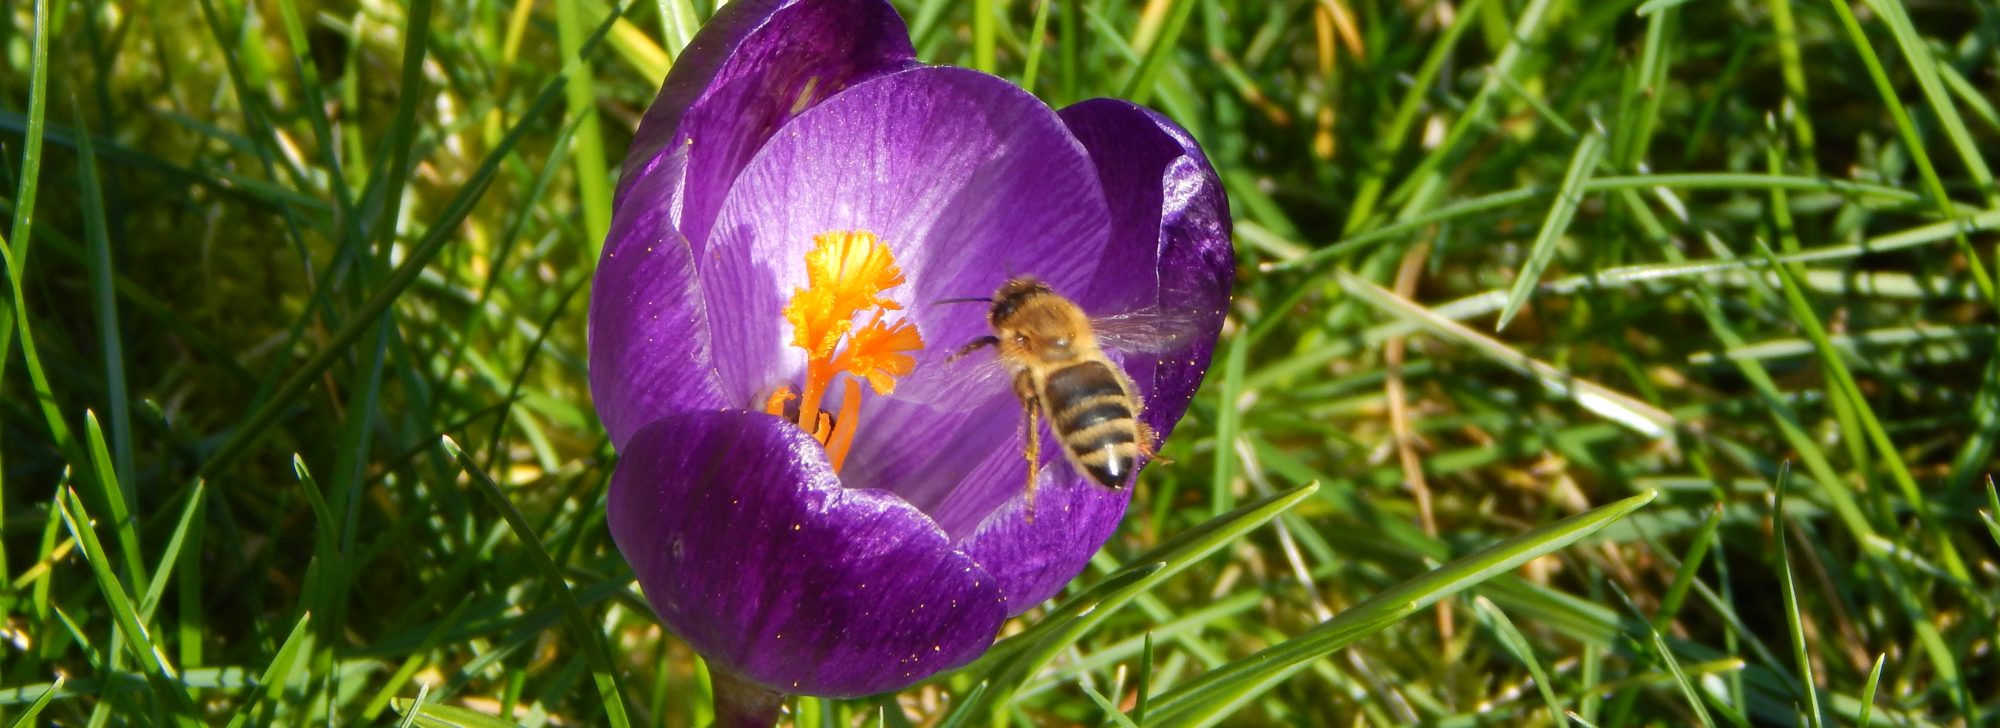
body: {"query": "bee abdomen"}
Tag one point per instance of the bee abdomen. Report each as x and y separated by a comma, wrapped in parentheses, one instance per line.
(1092, 414)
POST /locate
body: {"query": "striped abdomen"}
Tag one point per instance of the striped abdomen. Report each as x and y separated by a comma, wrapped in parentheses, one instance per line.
(1091, 413)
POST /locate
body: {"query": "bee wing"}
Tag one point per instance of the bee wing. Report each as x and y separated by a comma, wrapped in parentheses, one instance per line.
(1153, 330)
(976, 372)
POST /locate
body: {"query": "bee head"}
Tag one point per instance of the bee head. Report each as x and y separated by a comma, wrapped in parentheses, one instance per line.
(1012, 294)
(1020, 286)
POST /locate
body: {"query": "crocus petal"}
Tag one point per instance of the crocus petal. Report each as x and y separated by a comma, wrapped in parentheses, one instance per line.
(752, 67)
(961, 174)
(1032, 559)
(1169, 214)
(648, 324)
(751, 550)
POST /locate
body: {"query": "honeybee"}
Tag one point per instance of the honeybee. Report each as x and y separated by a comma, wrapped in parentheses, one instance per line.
(1052, 350)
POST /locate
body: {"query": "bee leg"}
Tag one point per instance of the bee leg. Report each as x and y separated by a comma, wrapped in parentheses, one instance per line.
(1034, 455)
(1031, 406)
(975, 345)
(1148, 440)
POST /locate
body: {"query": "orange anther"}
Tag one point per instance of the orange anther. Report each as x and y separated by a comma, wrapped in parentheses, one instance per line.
(847, 274)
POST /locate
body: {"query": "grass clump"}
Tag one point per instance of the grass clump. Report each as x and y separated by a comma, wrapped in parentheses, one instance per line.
(1702, 292)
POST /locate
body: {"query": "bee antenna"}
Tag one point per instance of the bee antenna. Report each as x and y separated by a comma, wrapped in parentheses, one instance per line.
(968, 299)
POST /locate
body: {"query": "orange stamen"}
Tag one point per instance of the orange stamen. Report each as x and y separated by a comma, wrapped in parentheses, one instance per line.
(816, 381)
(823, 429)
(875, 352)
(847, 274)
(843, 431)
(776, 403)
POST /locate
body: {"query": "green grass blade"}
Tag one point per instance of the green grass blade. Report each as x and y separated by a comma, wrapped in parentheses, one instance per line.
(1792, 69)
(165, 683)
(1033, 63)
(46, 555)
(1666, 656)
(1070, 41)
(1924, 68)
(1611, 404)
(1871, 424)
(1639, 103)
(123, 525)
(1021, 656)
(1111, 711)
(416, 708)
(1517, 645)
(1651, 7)
(1969, 95)
(1688, 690)
(1969, 218)
(432, 715)
(985, 19)
(604, 672)
(349, 483)
(1519, 47)
(443, 231)
(1228, 414)
(1143, 683)
(1992, 511)
(416, 661)
(1838, 492)
(275, 673)
(27, 717)
(316, 107)
(31, 142)
(1912, 140)
(678, 23)
(170, 558)
(1396, 133)
(390, 177)
(1794, 624)
(1983, 436)
(593, 178)
(14, 249)
(1214, 696)
(324, 578)
(1141, 86)
(104, 304)
(646, 58)
(961, 718)
(1568, 197)
(1686, 573)
(1868, 691)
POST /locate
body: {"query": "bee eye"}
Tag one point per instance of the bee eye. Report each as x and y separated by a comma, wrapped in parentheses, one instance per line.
(1021, 339)
(1062, 343)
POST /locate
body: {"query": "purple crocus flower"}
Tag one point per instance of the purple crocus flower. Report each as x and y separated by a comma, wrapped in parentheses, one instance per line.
(797, 199)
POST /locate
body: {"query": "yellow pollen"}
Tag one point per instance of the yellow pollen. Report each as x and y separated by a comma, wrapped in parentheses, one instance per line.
(847, 274)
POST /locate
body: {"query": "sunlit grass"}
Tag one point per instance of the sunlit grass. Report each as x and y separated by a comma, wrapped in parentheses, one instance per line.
(1619, 363)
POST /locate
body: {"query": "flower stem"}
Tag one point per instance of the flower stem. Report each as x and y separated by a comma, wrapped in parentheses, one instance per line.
(740, 704)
